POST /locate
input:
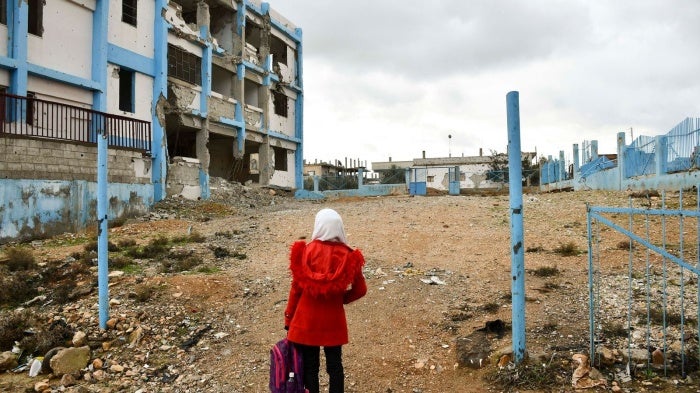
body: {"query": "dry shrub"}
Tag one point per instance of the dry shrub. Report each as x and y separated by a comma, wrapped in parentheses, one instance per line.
(92, 246)
(20, 258)
(625, 245)
(120, 262)
(12, 327)
(546, 271)
(491, 307)
(126, 243)
(17, 288)
(567, 249)
(143, 292)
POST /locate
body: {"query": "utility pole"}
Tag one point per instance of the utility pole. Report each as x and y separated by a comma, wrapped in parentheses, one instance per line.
(449, 145)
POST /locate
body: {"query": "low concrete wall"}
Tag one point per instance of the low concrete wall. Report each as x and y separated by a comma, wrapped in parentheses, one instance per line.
(32, 209)
(362, 191)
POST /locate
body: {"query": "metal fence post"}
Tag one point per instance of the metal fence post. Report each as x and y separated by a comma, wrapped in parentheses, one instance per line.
(515, 174)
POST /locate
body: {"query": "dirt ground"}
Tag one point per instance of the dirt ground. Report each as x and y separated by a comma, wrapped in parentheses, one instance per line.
(403, 333)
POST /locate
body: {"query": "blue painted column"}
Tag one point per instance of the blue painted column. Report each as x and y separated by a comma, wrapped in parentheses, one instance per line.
(515, 174)
(621, 160)
(562, 166)
(159, 146)
(299, 115)
(239, 148)
(100, 21)
(17, 31)
(661, 154)
(204, 104)
(577, 163)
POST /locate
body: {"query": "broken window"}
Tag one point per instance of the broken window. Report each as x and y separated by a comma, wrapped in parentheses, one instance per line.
(129, 11)
(280, 159)
(279, 101)
(253, 34)
(126, 90)
(184, 65)
(278, 49)
(36, 17)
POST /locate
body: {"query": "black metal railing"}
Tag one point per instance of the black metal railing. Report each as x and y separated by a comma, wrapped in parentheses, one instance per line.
(37, 118)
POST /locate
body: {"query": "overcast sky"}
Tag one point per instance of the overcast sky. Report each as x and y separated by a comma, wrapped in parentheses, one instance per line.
(393, 78)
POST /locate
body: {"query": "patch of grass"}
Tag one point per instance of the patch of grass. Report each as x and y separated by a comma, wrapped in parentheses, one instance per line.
(208, 269)
(132, 269)
(551, 285)
(525, 376)
(184, 261)
(624, 245)
(126, 243)
(155, 248)
(20, 258)
(221, 252)
(615, 329)
(491, 307)
(549, 327)
(117, 222)
(194, 237)
(534, 249)
(120, 262)
(545, 271)
(567, 249)
(92, 246)
(143, 292)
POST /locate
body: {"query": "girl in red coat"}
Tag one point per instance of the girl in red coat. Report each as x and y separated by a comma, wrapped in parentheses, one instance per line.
(326, 274)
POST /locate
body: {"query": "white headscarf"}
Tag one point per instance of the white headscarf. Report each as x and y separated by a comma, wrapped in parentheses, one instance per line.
(329, 227)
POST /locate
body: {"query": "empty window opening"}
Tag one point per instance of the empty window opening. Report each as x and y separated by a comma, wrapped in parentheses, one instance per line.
(184, 65)
(280, 159)
(253, 34)
(3, 12)
(251, 90)
(279, 100)
(129, 11)
(36, 17)
(222, 81)
(431, 179)
(278, 49)
(126, 90)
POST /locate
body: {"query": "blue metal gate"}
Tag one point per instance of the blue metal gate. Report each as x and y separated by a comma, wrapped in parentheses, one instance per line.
(643, 268)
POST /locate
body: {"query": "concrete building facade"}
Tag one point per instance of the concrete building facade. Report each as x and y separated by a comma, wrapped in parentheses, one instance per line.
(180, 90)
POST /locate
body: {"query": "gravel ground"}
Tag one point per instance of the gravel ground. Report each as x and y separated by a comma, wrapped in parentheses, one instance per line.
(438, 270)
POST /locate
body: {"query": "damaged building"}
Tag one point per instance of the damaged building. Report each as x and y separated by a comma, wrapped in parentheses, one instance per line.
(180, 90)
(234, 93)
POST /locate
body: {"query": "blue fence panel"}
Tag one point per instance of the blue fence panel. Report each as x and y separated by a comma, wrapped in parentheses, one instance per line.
(600, 164)
(683, 146)
(640, 157)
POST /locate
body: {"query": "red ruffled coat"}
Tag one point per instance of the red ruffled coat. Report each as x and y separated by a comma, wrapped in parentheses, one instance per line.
(325, 276)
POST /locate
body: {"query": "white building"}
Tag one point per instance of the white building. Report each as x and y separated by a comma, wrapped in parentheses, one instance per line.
(179, 90)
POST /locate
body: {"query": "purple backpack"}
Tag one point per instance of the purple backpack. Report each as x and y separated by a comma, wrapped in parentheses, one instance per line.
(286, 368)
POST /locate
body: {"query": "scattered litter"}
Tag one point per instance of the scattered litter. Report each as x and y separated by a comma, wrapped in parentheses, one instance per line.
(433, 280)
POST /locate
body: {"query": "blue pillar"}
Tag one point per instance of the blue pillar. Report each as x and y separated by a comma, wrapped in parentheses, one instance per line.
(594, 150)
(160, 92)
(577, 163)
(562, 166)
(240, 73)
(661, 147)
(204, 100)
(299, 115)
(621, 160)
(515, 174)
(17, 30)
(99, 103)
(360, 174)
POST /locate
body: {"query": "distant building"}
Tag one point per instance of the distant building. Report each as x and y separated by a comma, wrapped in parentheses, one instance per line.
(474, 172)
